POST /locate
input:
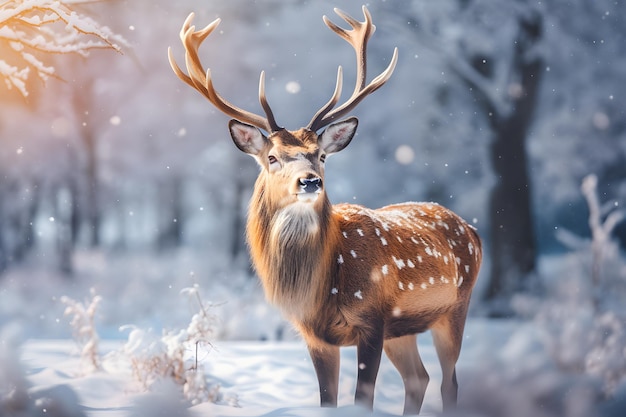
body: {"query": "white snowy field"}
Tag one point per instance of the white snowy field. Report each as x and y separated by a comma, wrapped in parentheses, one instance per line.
(564, 360)
(254, 379)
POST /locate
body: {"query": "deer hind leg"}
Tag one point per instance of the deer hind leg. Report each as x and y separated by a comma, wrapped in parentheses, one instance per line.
(402, 352)
(447, 337)
(326, 362)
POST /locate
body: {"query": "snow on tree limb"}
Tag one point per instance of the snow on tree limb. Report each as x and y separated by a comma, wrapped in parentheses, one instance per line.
(31, 28)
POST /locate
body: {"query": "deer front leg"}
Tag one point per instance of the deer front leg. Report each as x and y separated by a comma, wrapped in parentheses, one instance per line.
(369, 350)
(326, 362)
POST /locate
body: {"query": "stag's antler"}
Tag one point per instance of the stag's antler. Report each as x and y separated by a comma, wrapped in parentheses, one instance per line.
(357, 37)
(201, 80)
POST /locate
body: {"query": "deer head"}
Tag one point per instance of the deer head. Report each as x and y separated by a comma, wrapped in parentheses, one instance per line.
(292, 160)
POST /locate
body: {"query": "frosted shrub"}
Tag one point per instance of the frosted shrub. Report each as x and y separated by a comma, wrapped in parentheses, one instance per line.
(581, 325)
(83, 327)
(174, 355)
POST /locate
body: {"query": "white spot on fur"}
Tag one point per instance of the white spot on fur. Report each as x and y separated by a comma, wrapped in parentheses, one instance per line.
(467, 268)
(458, 260)
(383, 241)
(424, 286)
(399, 262)
(471, 248)
(353, 253)
(377, 232)
(419, 258)
(444, 279)
(399, 239)
(460, 281)
(360, 232)
(411, 286)
(334, 291)
(445, 259)
(358, 295)
(410, 263)
(344, 234)
(414, 241)
(397, 312)
(428, 251)
(385, 269)
(431, 281)
(401, 285)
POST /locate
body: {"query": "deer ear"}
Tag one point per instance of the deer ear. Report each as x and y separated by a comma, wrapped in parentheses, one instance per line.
(247, 138)
(338, 135)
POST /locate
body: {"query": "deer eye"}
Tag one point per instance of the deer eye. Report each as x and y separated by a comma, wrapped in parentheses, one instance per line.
(272, 159)
(323, 158)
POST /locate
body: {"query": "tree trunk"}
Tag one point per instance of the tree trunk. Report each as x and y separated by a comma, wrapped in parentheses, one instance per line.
(63, 223)
(513, 246)
(171, 216)
(510, 212)
(26, 232)
(92, 212)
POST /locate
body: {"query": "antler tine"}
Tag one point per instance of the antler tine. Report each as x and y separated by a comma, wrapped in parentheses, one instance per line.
(357, 37)
(358, 96)
(202, 81)
(331, 103)
(266, 107)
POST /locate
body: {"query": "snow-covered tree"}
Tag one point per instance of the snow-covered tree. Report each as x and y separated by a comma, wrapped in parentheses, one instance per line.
(34, 34)
(32, 29)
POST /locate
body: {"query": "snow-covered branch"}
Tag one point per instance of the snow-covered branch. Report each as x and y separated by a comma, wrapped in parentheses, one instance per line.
(600, 229)
(30, 29)
(491, 91)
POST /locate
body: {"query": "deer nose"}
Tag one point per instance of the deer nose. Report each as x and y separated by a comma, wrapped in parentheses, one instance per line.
(310, 185)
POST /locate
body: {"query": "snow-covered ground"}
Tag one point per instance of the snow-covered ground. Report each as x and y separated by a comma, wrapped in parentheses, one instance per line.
(254, 379)
(564, 360)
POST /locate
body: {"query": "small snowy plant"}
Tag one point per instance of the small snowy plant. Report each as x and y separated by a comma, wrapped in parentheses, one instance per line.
(82, 321)
(174, 355)
(588, 320)
(582, 324)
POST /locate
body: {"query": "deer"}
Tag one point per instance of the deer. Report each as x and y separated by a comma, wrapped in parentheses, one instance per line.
(344, 274)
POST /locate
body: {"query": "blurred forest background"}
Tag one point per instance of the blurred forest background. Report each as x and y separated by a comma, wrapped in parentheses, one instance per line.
(497, 109)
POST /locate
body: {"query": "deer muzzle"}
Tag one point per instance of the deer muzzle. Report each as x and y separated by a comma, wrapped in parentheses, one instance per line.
(310, 188)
